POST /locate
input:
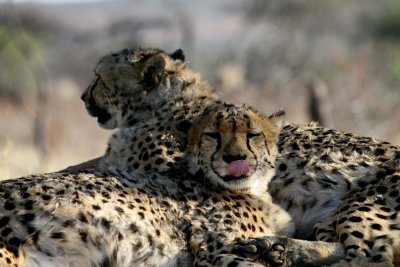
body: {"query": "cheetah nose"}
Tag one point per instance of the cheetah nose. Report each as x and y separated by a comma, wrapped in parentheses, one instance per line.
(229, 158)
(83, 96)
(237, 168)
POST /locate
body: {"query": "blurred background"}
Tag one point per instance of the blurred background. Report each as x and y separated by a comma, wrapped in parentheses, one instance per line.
(336, 62)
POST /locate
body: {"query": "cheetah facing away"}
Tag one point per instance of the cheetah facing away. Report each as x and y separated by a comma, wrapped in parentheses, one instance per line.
(98, 219)
(317, 168)
(145, 92)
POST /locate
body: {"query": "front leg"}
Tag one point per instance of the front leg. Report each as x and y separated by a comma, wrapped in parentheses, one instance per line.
(223, 253)
(284, 251)
(269, 251)
(208, 259)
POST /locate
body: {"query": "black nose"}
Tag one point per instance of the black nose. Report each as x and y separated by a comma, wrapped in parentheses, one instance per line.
(230, 158)
(83, 96)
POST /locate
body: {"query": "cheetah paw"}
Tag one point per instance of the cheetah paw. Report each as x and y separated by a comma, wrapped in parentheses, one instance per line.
(262, 251)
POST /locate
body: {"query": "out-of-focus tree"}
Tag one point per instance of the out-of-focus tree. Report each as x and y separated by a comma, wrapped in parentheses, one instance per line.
(23, 64)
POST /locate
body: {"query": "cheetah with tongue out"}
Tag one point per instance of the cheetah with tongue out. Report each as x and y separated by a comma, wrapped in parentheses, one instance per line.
(316, 170)
(100, 219)
(120, 219)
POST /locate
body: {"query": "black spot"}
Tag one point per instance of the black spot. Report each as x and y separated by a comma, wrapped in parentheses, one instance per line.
(6, 231)
(14, 241)
(282, 167)
(377, 258)
(307, 146)
(288, 182)
(381, 189)
(295, 146)
(159, 161)
(133, 227)
(376, 226)
(380, 216)
(357, 234)
(141, 215)
(394, 179)
(4, 221)
(355, 219)
(380, 202)
(366, 209)
(9, 205)
(96, 207)
(57, 235)
(343, 237)
(379, 152)
(147, 167)
(46, 197)
(370, 244)
(342, 220)
(346, 207)
(62, 192)
(105, 223)
(382, 248)
(394, 226)
(233, 264)
(361, 199)
(385, 209)
(380, 174)
(119, 210)
(83, 218)
(27, 217)
(394, 193)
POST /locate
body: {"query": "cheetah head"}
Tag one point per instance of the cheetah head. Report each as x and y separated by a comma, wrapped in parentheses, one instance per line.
(122, 92)
(234, 146)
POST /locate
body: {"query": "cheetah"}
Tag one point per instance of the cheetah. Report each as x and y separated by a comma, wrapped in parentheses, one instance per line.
(100, 219)
(340, 187)
(317, 168)
(145, 93)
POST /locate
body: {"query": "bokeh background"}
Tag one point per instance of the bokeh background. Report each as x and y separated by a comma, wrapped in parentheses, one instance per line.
(335, 61)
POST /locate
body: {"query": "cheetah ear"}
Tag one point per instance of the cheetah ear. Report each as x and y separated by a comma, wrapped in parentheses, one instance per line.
(178, 54)
(153, 71)
(278, 120)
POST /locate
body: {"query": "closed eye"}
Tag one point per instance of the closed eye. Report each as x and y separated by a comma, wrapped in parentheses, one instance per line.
(215, 136)
(252, 135)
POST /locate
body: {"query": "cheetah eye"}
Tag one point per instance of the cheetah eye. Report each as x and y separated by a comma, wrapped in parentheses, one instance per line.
(252, 135)
(215, 136)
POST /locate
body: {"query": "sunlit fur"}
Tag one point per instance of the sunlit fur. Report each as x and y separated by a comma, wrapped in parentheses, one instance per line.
(121, 93)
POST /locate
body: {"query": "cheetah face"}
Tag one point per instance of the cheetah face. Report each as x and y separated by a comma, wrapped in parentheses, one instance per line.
(234, 146)
(120, 94)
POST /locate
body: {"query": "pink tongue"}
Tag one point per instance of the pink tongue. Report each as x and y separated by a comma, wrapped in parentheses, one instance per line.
(237, 168)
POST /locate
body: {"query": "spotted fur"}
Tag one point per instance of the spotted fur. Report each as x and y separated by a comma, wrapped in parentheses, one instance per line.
(327, 176)
(316, 169)
(101, 219)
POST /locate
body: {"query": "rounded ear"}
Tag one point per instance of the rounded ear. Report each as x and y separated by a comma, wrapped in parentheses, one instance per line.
(277, 119)
(178, 54)
(153, 71)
